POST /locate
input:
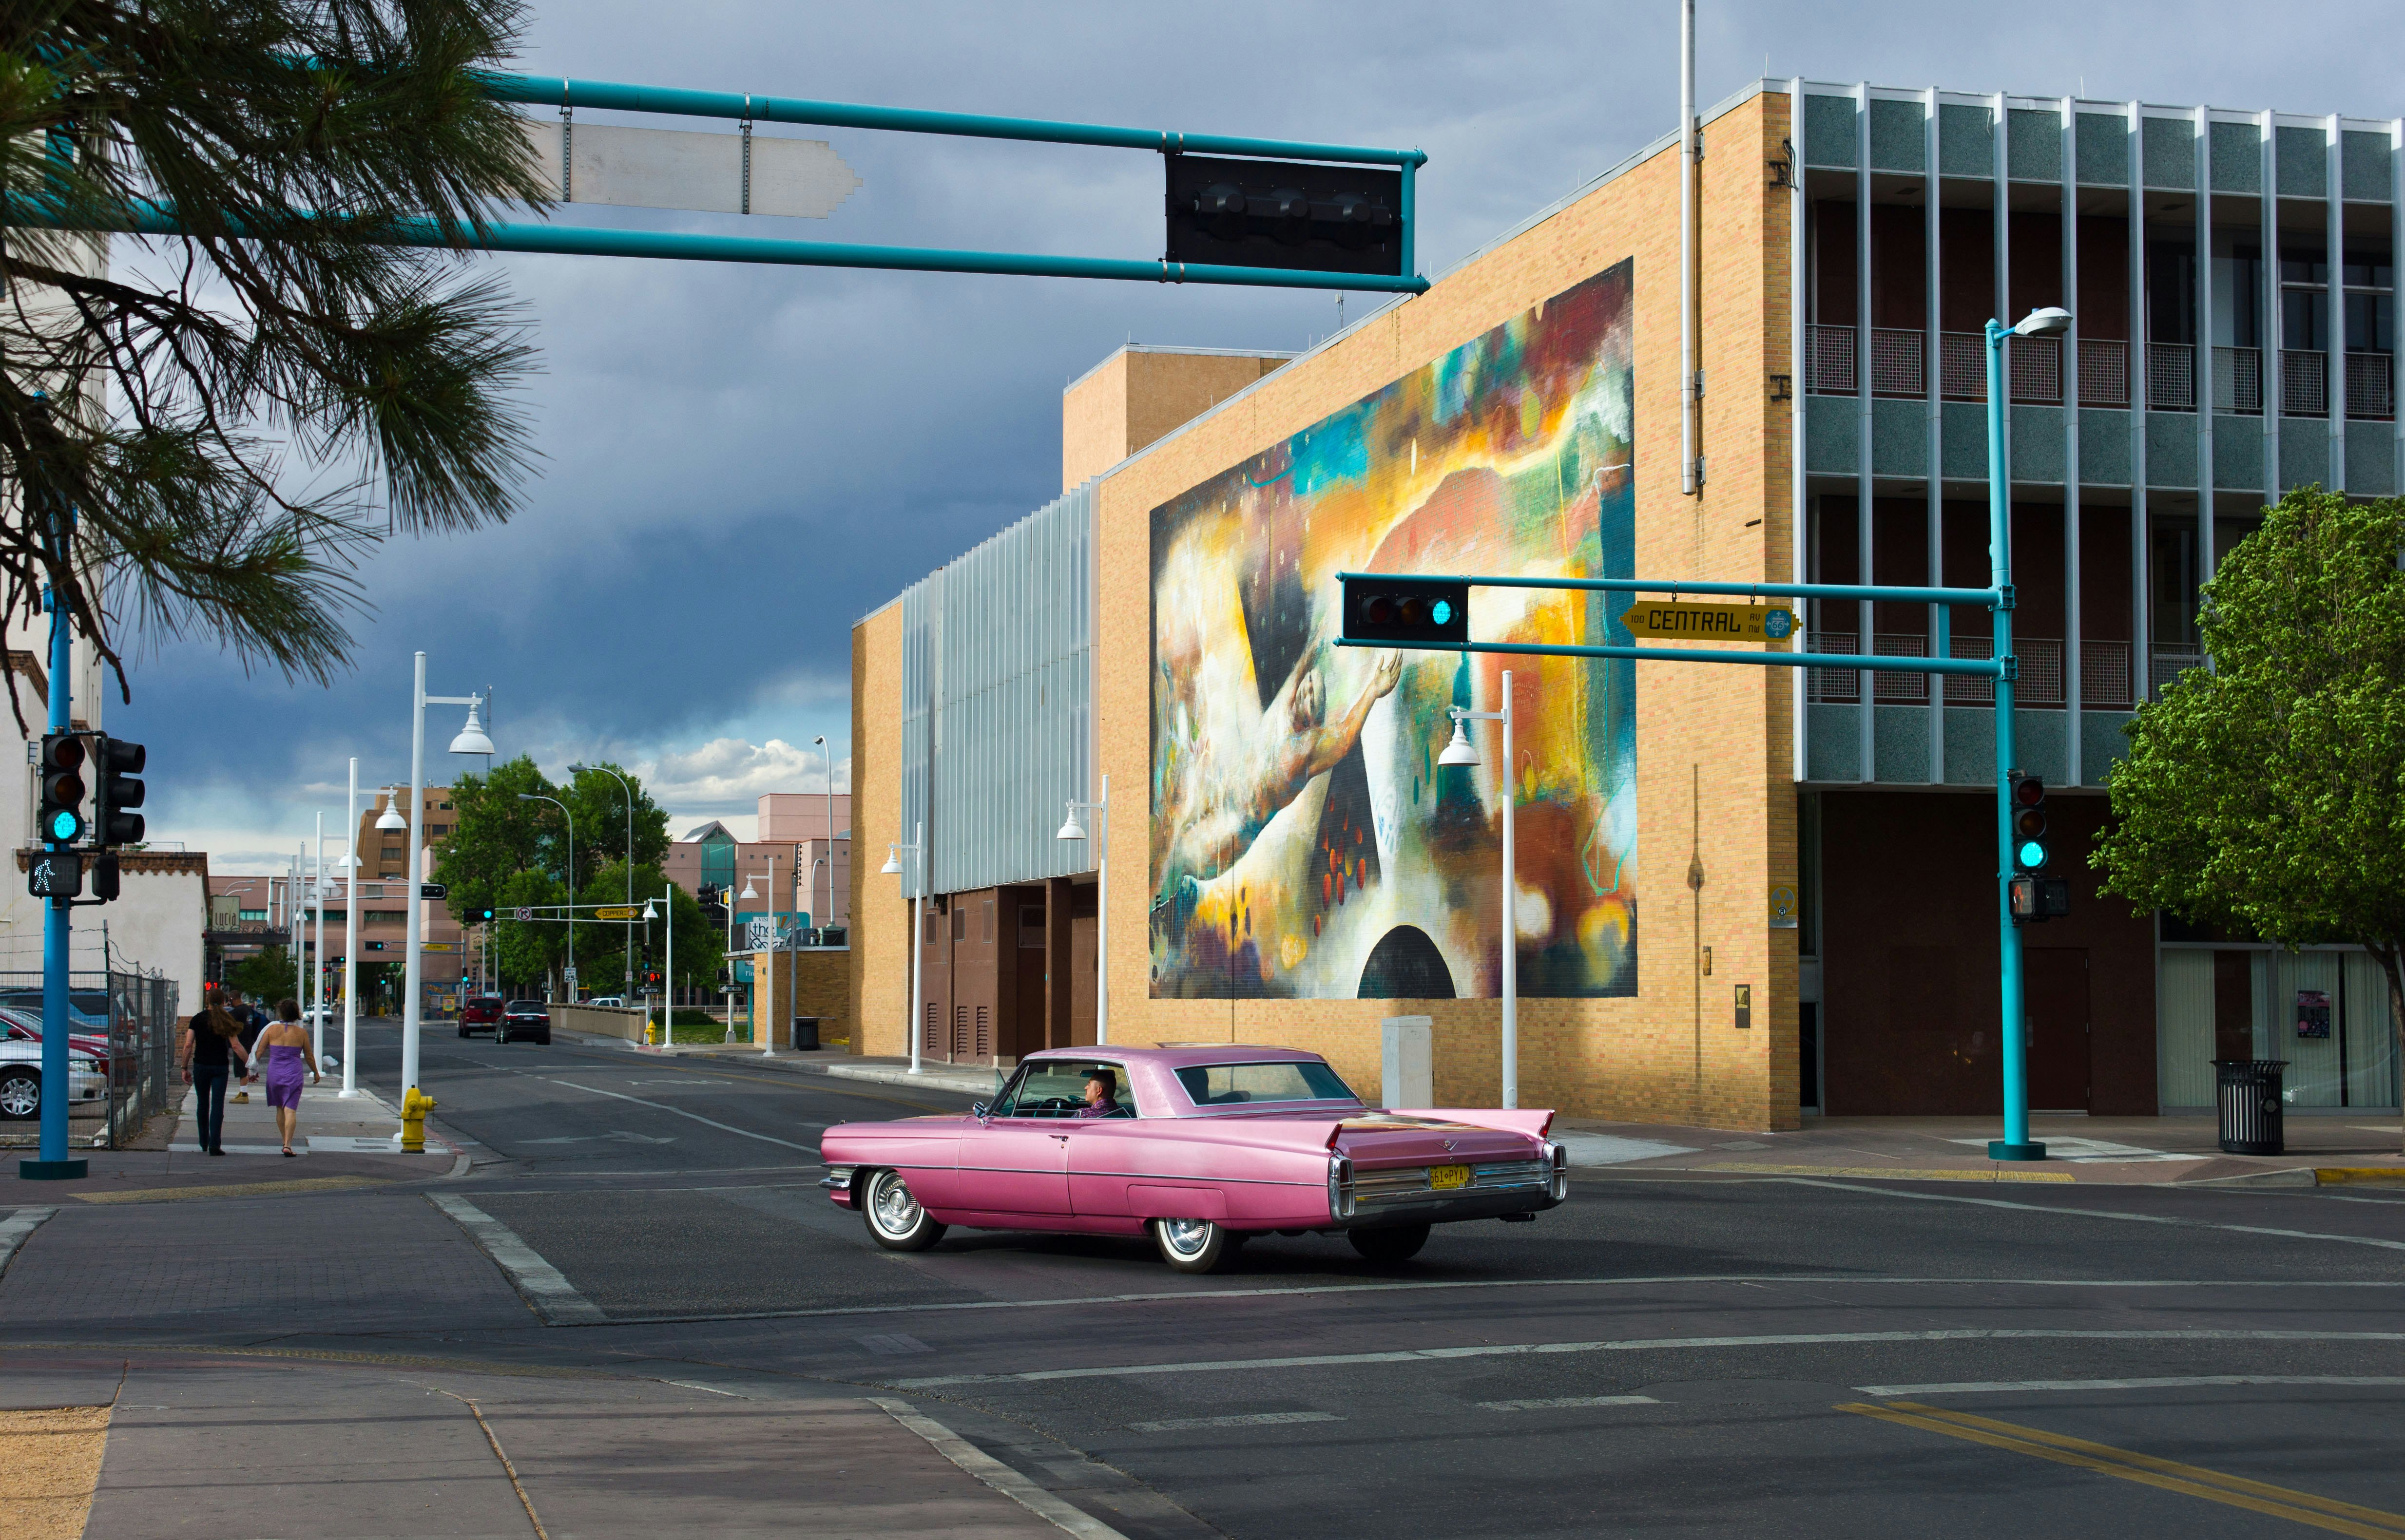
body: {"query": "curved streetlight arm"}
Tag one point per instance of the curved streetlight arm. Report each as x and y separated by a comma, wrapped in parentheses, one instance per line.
(537, 796)
(630, 791)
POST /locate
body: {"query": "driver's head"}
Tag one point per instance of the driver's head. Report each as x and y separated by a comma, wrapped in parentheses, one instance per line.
(1102, 1086)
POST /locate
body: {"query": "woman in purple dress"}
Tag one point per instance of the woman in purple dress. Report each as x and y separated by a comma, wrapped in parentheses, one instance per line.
(285, 1045)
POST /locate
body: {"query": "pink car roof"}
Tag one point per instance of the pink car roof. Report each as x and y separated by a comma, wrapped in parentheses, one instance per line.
(1152, 1071)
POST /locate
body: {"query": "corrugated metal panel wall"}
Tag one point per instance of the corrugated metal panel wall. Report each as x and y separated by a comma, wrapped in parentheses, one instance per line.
(997, 709)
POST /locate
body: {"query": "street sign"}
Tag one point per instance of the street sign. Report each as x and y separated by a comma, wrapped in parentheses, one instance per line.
(526, 914)
(617, 911)
(439, 946)
(1678, 619)
(677, 168)
(432, 890)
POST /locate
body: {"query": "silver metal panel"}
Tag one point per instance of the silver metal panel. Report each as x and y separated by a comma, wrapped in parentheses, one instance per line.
(2141, 548)
(677, 168)
(1934, 540)
(998, 702)
(1798, 312)
(2073, 633)
(2334, 256)
(2274, 340)
(1863, 557)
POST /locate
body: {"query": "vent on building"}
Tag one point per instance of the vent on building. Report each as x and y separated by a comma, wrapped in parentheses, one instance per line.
(960, 1031)
(984, 1033)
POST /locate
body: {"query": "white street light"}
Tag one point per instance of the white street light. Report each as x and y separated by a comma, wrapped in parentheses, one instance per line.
(350, 869)
(747, 892)
(1460, 752)
(391, 819)
(768, 1040)
(1071, 829)
(650, 914)
(471, 741)
(2046, 322)
(893, 868)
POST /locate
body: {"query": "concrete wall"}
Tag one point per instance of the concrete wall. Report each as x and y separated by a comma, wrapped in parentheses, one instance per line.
(599, 1020)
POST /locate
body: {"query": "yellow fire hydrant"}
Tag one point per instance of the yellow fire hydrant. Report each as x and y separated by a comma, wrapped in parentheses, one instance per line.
(414, 1108)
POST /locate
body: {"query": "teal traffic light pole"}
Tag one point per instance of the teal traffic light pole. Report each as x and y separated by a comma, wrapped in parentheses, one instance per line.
(2012, 1036)
(53, 1163)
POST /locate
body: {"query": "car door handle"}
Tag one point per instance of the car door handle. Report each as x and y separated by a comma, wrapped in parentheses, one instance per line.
(1062, 1137)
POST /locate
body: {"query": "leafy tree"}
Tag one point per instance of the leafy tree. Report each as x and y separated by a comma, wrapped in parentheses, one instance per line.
(526, 951)
(494, 837)
(601, 816)
(265, 974)
(224, 415)
(2268, 794)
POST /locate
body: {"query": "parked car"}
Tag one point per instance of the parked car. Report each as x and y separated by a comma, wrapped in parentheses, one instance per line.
(481, 1014)
(17, 1026)
(1203, 1148)
(525, 1018)
(619, 1000)
(87, 1009)
(20, 1077)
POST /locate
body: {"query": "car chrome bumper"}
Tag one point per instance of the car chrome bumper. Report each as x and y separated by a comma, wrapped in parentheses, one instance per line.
(1448, 1208)
(837, 1183)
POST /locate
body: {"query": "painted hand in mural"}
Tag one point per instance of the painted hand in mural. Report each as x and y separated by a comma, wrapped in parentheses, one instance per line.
(1296, 742)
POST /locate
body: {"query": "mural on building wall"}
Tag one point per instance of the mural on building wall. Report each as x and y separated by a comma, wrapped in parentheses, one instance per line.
(1305, 842)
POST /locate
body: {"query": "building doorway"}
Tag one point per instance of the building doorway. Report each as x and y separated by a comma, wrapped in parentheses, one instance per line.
(2055, 1002)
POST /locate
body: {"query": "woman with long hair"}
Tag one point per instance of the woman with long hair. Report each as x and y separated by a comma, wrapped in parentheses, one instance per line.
(285, 1043)
(211, 1047)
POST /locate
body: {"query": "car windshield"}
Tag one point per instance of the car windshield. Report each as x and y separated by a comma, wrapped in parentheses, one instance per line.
(1225, 1085)
(1056, 1087)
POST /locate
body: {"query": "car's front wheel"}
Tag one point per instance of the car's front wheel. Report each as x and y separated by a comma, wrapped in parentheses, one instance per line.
(21, 1093)
(893, 1216)
(1190, 1245)
(1389, 1243)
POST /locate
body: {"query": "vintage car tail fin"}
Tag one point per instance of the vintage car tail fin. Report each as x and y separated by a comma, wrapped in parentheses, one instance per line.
(1535, 1122)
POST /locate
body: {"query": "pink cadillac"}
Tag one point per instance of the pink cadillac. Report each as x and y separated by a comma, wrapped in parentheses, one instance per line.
(1204, 1146)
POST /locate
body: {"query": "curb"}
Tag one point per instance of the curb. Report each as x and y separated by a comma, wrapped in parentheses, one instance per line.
(2341, 1176)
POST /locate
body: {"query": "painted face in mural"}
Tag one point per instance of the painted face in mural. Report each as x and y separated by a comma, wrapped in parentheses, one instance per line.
(1306, 843)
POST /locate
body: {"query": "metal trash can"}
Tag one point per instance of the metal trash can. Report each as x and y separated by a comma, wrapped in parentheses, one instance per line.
(805, 1034)
(2251, 1116)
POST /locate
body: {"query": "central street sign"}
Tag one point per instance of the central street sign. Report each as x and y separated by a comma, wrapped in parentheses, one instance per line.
(1676, 620)
(617, 911)
(439, 946)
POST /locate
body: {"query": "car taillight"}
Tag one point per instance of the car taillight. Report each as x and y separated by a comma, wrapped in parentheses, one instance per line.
(1339, 1187)
(1560, 1158)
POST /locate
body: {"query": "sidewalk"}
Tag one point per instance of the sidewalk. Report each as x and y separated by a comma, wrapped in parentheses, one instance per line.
(330, 1123)
(2153, 1151)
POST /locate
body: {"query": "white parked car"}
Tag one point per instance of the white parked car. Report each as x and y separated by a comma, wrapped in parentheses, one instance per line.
(21, 1079)
(619, 1000)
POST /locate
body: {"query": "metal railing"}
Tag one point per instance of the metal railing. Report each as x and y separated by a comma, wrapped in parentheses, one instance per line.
(1961, 368)
(2166, 664)
(2041, 681)
(2171, 377)
(2036, 370)
(1829, 362)
(2105, 673)
(2103, 372)
(2304, 383)
(1896, 362)
(2238, 380)
(139, 1027)
(2372, 385)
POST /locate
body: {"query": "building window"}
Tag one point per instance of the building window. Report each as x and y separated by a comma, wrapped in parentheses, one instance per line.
(384, 917)
(260, 915)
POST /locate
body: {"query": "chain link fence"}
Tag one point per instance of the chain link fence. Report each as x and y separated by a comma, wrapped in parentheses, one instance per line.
(128, 1018)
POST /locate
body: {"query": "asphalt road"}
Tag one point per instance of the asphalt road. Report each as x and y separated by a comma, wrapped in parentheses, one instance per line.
(1661, 1355)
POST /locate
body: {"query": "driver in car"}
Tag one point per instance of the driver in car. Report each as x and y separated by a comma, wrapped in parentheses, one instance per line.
(1101, 1093)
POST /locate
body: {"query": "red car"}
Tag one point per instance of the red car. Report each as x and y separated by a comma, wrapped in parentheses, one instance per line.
(26, 1026)
(481, 1015)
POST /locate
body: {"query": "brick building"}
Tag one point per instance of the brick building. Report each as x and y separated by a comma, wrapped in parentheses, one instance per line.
(1745, 894)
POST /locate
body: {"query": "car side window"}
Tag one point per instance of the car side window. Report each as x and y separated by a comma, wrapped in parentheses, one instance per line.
(1057, 1088)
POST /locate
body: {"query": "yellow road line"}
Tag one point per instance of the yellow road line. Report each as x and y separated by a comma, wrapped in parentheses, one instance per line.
(1894, 1173)
(2338, 1176)
(2301, 1507)
(242, 1189)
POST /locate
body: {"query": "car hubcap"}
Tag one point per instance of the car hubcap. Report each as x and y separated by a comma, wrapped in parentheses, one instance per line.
(1187, 1236)
(897, 1212)
(19, 1099)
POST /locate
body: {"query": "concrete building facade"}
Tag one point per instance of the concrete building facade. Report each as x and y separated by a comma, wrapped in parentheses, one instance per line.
(1746, 894)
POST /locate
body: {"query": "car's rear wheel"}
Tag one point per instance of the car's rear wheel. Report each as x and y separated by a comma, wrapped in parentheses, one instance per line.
(893, 1216)
(21, 1093)
(1390, 1243)
(1190, 1245)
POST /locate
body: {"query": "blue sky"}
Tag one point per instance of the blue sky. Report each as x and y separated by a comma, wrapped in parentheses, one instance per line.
(738, 462)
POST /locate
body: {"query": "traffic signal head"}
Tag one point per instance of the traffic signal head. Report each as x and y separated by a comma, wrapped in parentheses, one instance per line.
(115, 763)
(61, 814)
(375, 947)
(2025, 796)
(1407, 611)
(1284, 214)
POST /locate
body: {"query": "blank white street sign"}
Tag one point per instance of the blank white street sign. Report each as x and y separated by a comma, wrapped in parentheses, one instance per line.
(677, 168)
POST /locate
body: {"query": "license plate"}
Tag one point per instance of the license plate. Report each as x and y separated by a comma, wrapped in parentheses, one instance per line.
(1446, 1178)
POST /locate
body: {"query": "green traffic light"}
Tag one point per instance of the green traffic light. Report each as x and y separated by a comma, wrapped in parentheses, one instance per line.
(2033, 855)
(1442, 613)
(65, 826)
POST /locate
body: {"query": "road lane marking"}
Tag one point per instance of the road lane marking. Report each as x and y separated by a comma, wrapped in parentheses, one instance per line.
(1549, 1403)
(1898, 1173)
(1248, 1420)
(549, 1294)
(994, 1473)
(1650, 1344)
(662, 1106)
(2166, 1383)
(1181, 1295)
(240, 1189)
(17, 1227)
(2114, 1213)
(2301, 1507)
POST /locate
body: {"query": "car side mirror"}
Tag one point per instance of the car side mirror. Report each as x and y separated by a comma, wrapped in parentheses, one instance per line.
(979, 1111)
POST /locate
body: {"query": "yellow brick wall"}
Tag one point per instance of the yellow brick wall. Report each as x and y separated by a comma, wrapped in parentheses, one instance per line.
(878, 976)
(785, 985)
(1135, 397)
(1714, 748)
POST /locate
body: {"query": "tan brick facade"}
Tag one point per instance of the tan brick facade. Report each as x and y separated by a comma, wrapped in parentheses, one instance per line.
(1714, 757)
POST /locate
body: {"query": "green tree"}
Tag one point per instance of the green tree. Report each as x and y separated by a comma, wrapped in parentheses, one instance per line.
(600, 809)
(526, 951)
(264, 975)
(226, 417)
(2268, 794)
(494, 837)
(601, 946)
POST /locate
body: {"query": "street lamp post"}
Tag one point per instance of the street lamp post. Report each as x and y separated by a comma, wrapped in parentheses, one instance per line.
(578, 770)
(351, 936)
(2016, 1144)
(768, 1039)
(471, 740)
(667, 967)
(536, 796)
(827, 761)
(317, 996)
(1459, 752)
(1072, 829)
(893, 868)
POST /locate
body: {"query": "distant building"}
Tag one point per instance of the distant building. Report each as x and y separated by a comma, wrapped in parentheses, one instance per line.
(793, 851)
